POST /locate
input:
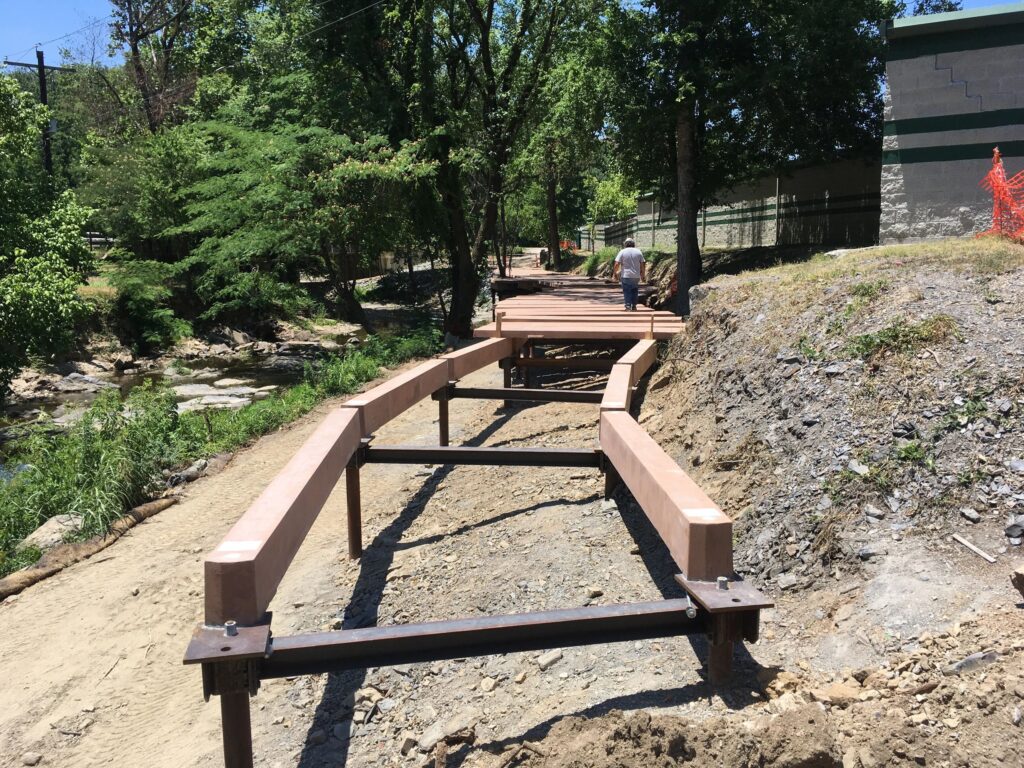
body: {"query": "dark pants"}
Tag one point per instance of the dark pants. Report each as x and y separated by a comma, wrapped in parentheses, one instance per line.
(630, 291)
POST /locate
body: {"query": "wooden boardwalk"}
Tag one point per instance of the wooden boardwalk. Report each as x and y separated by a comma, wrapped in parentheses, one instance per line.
(566, 307)
(235, 645)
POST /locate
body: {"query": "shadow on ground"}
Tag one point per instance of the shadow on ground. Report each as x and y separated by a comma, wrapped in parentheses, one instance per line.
(367, 594)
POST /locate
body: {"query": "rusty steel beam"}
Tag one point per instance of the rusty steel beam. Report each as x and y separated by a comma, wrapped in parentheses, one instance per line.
(499, 457)
(236, 729)
(435, 641)
(354, 507)
(529, 395)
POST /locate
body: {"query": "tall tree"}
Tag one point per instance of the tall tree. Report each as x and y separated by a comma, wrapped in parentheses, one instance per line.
(152, 31)
(463, 77)
(713, 93)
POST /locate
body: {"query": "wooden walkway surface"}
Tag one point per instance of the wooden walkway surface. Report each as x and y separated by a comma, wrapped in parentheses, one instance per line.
(570, 307)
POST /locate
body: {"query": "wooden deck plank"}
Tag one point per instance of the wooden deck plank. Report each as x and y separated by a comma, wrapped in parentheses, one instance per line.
(697, 533)
(242, 573)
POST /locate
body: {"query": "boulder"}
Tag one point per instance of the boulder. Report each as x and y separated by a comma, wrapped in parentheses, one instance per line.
(53, 531)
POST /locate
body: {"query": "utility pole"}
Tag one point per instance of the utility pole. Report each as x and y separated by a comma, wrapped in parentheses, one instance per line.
(41, 67)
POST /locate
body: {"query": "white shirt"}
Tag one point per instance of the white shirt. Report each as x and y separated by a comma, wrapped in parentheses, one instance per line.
(630, 260)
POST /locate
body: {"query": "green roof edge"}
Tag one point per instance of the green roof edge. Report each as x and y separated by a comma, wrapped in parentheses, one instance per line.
(936, 23)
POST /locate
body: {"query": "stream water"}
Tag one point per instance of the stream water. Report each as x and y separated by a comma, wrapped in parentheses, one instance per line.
(230, 381)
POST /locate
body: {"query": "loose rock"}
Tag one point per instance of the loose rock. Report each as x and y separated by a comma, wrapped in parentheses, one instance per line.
(549, 658)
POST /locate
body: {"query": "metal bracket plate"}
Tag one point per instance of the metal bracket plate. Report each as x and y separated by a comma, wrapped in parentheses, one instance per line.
(740, 596)
(212, 644)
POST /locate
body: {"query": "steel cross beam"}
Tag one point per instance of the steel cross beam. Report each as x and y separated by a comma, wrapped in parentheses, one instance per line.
(264, 657)
(501, 457)
(526, 395)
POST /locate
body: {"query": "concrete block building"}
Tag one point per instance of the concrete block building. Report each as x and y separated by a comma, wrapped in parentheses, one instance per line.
(828, 205)
(954, 91)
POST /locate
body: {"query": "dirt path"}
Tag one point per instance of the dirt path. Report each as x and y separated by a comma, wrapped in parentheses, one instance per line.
(91, 659)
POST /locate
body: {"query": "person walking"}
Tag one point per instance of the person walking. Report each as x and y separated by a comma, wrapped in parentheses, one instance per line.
(630, 269)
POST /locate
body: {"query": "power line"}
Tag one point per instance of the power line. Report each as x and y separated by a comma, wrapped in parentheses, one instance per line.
(62, 37)
(228, 67)
(75, 32)
(343, 18)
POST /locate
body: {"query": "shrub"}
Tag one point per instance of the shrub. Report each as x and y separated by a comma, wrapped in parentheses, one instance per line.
(113, 458)
(144, 319)
(902, 337)
(108, 462)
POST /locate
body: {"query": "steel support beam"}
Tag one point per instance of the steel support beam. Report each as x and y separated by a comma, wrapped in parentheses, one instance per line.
(435, 641)
(529, 395)
(236, 729)
(569, 363)
(355, 512)
(501, 457)
(443, 396)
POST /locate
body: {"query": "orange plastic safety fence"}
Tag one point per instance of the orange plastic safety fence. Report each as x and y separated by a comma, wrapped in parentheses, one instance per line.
(1007, 200)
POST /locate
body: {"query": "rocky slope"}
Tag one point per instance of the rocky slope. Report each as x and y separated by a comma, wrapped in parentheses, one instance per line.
(839, 406)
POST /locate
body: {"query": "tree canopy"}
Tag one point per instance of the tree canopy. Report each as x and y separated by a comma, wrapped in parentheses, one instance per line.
(251, 158)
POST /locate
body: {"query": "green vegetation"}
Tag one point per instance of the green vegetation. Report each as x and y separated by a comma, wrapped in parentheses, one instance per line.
(960, 416)
(902, 337)
(113, 458)
(43, 259)
(868, 291)
(862, 294)
(595, 261)
(141, 308)
(263, 154)
(808, 349)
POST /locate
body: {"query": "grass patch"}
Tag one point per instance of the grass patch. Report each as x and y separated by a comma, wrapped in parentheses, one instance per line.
(114, 457)
(595, 261)
(869, 291)
(902, 337)
(808, 350)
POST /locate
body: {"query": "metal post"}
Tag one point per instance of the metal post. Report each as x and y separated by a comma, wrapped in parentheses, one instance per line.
(506, 377)
(47, 154)
(725, 631)
(236, 729)
(355, 520)
(442, 416)
(720, 662)
(611, 480)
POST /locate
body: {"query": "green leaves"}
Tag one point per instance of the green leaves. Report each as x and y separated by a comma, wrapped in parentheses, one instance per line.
(43, 258)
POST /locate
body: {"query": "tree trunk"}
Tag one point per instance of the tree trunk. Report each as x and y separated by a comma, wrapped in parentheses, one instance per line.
(343, 276)
(688, 259)
(465, 280)
(488, 231)
(501, 247)
(142, 83)
(551, 192)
